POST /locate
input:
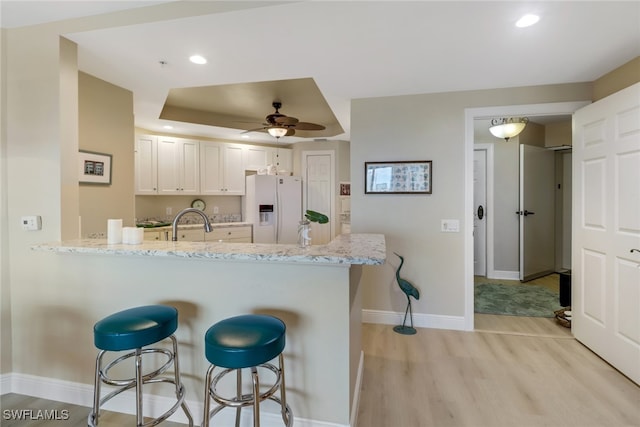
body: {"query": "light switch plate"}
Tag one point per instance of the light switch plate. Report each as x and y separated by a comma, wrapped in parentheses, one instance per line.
(32, 222)
(450, 225)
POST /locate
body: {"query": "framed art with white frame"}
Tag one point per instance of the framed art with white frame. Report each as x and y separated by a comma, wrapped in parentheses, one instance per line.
(94, 168)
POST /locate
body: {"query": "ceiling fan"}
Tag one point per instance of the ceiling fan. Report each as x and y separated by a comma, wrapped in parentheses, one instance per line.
(279, 125)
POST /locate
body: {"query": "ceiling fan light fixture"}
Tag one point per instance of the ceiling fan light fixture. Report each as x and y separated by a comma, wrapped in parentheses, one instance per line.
(507, 127)
(277, 132)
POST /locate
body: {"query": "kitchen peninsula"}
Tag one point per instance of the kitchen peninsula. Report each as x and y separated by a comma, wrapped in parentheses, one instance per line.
(315, 290)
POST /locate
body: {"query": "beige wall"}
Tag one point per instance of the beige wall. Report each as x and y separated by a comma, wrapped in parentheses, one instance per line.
(533, 134)
(5, 290)
(431, 127)
(557, 134)
(619, 78)
(106, 126)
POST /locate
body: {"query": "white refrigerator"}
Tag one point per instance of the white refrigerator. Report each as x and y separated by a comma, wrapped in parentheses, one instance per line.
(273, 204)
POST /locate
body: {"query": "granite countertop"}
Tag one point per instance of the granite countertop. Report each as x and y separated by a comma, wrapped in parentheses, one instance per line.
(366, 249)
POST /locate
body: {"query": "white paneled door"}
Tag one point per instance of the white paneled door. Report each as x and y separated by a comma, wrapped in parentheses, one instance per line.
(606, 229)
(480, 212)
(536, 212)
(319, 192)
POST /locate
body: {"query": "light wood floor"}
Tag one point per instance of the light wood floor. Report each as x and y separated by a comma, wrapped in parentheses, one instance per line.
(483, 379)
(77, 415)
(441, 378)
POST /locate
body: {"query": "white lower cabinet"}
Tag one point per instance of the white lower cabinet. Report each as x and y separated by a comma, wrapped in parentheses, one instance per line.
(154, 235)
(229, 234)
(190, 234)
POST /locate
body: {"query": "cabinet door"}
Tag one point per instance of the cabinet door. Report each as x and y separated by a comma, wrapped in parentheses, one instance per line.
(191, 235)
(257, 157)
(168, 166)
(189, 167)
(154, 235)
(178, 166)
(283, 159)
(233, 170)
(229, 234)
(146, 165)
(210, 168)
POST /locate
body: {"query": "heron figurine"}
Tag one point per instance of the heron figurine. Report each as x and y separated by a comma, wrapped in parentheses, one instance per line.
(410, 291)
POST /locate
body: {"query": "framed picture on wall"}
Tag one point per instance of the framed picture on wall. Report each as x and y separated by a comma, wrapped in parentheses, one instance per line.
(94, 168)
(401, 177)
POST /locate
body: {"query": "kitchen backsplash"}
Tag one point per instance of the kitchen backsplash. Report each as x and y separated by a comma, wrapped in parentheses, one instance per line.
(165, 208)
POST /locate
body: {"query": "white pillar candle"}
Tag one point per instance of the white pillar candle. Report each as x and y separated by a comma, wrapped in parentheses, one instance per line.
(114, 231)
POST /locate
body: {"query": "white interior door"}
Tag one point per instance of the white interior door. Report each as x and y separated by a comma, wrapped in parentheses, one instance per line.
(320, 192)
(480, 212)
(537, 212)
(606, 229)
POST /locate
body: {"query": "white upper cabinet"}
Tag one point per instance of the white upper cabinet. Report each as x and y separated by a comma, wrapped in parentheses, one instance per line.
(146, 165)
(178, 166)
(257, 157)
(282, 158)
(221, 169)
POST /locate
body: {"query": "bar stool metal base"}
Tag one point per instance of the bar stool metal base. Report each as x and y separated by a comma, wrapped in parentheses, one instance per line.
(102, 377)
(252, 399)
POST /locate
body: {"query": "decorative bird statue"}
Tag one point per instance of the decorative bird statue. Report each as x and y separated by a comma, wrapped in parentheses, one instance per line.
(410, 291)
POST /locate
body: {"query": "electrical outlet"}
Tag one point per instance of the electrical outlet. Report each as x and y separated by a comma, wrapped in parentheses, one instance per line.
(169, 211)
(216, 210)
(450, 225)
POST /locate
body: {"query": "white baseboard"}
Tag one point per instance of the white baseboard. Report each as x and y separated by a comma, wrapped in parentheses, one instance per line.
(82, 395)
(504, 275)
(419, 320)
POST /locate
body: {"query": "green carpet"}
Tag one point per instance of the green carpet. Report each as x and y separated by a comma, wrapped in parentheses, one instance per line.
(515, 300)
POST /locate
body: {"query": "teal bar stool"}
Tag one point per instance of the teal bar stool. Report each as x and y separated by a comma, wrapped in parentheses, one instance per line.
(245, 342)
(135, 329)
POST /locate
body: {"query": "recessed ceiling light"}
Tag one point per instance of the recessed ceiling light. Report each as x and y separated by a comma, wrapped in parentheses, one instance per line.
(197, 59)
(245, 136)
(167, 127)
(527, 20)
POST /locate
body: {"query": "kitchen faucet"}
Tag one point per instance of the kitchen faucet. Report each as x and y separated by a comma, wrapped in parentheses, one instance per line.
(174, 225)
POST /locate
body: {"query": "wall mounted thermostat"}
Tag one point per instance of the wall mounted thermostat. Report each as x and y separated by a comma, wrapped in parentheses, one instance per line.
(32, 223)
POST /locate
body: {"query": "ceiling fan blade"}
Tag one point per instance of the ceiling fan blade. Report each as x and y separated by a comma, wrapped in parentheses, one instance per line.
(308, 126)
(286, 120)
(290, 132)
(254, 130)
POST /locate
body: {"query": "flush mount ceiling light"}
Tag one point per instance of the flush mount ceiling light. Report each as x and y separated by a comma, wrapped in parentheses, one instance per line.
(527, 21)
(277, 132)
(198, 59)
(507, 127)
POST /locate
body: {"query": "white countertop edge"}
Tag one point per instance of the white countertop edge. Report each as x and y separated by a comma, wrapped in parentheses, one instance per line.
(351, 249)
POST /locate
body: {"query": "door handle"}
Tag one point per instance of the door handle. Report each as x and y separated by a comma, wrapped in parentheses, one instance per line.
(480, 212)
(525, 212)
(634, 250)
